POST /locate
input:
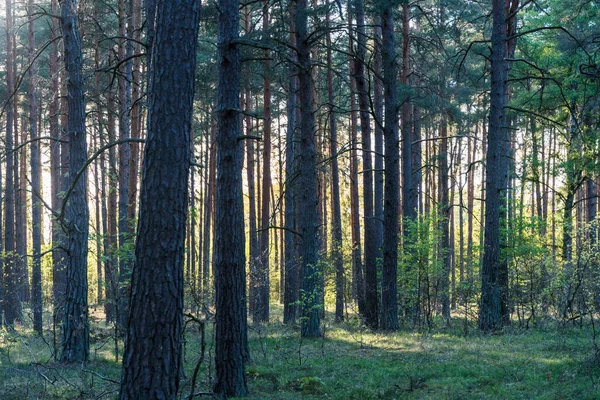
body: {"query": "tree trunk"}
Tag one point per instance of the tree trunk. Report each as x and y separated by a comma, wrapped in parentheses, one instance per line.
(358, 283)
(496, 176)
(36, 209)
(58, 270)
(336, 213)
(230, 277)
(76, 344)
(444, 219)
(152, 359)
(371, 294)
(291, 270)
(125, 73)
(308, 211)
(389, 295)
(261, 310)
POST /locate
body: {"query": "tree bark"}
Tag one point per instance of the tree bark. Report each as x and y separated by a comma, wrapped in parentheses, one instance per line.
(308, 210)
(152, 359)
(389, 295)
(230, 277)
(76, 344)
(496, 176)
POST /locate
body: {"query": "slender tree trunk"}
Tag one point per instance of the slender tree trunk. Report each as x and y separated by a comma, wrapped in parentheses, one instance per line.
(389, 295)
(110, 268)
(152, 360)
(261, 311)
(358, 283)
(209, 213)
(444, 218)
(125, 52)
(291, 263)
(378, 115)
(252, 226)
(36, 210)
(135, 31)
(10, 298)
(371, 293)
(58, 270)
(336, 213)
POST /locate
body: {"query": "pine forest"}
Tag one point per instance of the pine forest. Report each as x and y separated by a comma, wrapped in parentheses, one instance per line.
(285, 199)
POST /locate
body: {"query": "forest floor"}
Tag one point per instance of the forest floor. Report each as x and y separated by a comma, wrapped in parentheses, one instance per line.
(549, 361)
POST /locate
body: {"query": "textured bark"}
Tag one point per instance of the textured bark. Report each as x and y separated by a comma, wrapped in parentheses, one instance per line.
(229, 260)
(36, 209)
(496, 176)
(152, 358)
(371, 312)
(378, 115)
(76, 344)
(290, 307)
(307, 212)
(389, 295)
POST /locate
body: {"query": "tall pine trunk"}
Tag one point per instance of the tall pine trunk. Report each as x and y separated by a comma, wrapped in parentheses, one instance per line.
(76, 344)
(229, 260)
(152, 361)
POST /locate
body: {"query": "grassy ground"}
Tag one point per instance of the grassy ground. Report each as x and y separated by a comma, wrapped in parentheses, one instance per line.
(348, 363)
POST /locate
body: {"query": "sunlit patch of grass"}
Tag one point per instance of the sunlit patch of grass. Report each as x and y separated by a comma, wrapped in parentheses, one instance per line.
(349, 362)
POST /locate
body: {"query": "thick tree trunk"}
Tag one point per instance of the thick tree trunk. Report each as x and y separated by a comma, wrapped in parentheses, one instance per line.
(496, 176)
(308, 211)
(152, 358)
(389, 294)
(76, 344)
(230, 277)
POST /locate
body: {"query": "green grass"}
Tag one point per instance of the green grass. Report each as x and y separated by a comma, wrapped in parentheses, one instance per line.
(348, 363)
